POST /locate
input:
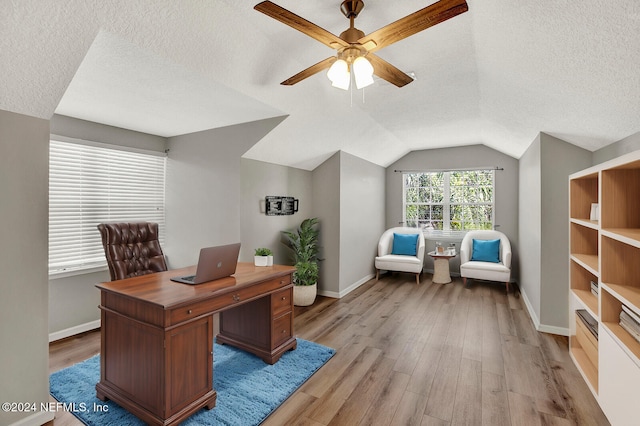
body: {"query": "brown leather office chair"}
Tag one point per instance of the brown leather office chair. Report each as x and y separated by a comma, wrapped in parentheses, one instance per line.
(132, 249)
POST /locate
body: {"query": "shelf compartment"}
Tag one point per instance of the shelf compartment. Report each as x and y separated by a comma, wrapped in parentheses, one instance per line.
(583, 192)
(584, 349)
(584, 240)
(611, 308)
(621, 267)
(587, 261)
(629, 236)
(620, 204)
(581, 286)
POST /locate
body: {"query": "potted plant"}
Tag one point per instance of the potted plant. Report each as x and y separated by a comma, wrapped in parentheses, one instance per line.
(263, 257)
(304, 243)
(305, 283)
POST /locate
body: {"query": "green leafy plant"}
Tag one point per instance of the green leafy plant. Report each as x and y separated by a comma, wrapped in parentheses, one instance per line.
(263, 252)
(304, 243)
(306, 273)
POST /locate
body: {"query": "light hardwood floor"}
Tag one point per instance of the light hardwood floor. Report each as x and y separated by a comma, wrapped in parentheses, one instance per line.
(427, 354)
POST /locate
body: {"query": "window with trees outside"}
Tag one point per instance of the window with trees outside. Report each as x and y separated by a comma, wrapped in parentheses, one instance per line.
(90, 184)
(457, 200)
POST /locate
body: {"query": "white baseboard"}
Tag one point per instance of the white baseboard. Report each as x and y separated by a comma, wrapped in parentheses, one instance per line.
(562, 331)
(57, 335)
(36, 419)
(532, 312)
(341, 294)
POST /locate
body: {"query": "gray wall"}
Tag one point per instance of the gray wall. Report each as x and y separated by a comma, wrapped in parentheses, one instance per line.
(544, 228)
(530, 224)
(96, 132)
(362, 219)
(348, 194)
(74, 300)
(506, 183)
(616, 149)
(326, 207)
(259, 179)
(203, 190)
(559, 159)
(24, 165)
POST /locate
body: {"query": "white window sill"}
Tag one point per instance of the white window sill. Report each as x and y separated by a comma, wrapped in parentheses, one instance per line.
(77, 271)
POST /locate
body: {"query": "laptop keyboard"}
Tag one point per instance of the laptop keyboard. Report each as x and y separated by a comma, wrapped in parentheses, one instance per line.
(189, 278)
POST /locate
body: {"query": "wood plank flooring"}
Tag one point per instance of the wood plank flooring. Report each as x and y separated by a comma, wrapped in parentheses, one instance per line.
(427, 354)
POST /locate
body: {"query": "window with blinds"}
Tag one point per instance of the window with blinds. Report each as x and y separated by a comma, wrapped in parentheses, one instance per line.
(92, 184)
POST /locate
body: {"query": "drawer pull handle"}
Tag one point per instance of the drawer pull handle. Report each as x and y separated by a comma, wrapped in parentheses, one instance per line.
(284, 331)
(189, 311)
(284, 297)
(236, 298)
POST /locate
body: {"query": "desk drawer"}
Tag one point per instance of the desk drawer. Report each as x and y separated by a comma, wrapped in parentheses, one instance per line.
(281, 302)
(227, 300)
(281, 330)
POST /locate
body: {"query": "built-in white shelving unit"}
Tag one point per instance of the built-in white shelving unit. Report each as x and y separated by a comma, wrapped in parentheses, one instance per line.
(606, 252)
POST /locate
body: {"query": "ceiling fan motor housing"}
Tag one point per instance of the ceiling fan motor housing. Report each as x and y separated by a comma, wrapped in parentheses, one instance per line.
(351, 8)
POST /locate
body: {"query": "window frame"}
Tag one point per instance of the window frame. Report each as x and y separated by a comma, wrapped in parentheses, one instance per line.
(446, 202)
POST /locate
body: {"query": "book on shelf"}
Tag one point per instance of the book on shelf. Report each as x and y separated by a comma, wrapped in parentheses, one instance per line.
(594, 287)
(632, 332)
(627, 319)
(632, 314)
(588, 321)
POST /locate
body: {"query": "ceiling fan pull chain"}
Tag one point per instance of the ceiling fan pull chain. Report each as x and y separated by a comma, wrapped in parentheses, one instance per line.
(351, 90)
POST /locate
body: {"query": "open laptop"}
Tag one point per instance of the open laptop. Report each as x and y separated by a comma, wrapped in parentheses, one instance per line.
(214, 263)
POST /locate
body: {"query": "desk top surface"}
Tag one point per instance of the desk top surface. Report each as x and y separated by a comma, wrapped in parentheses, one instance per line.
(158, 288)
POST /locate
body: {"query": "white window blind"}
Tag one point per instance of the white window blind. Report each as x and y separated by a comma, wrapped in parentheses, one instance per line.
(89, 185)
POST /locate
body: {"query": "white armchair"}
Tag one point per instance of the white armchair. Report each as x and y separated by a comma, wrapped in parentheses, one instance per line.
(407, 255)
(491, 265)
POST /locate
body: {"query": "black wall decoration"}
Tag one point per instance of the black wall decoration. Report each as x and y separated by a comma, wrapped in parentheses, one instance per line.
(280, 206)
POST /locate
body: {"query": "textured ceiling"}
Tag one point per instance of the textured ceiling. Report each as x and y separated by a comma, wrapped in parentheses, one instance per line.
(497, 75)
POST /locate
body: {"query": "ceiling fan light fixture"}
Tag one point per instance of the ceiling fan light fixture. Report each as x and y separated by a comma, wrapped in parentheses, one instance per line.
(362, 72)
(339, 74)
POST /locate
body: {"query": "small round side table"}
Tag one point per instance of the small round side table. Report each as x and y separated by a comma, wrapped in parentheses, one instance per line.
(441, 273)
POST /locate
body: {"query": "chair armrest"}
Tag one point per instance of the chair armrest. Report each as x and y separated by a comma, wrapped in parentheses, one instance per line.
(465, 255)
(384, 245)
(506, 256)
(421, 247)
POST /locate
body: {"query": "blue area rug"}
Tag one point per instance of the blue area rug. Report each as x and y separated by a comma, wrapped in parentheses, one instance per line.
(248, 388)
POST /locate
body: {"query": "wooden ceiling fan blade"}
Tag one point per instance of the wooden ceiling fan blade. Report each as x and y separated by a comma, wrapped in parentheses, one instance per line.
(296, 22)
(313, 69)
(386, 71)
(414, 23)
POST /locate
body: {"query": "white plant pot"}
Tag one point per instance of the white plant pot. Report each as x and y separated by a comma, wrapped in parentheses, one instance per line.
(269, 260)
(260, 260)
(304, 295)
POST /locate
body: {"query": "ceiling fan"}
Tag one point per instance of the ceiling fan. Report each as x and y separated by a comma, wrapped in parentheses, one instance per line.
(353, 45)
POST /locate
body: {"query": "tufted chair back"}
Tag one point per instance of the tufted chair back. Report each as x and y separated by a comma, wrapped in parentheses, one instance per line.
(132, 249)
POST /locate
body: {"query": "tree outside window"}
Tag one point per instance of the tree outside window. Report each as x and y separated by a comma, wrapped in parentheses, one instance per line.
(459, 200)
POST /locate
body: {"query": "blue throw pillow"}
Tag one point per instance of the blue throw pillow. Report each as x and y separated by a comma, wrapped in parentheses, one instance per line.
(486, 251)
(405, 244)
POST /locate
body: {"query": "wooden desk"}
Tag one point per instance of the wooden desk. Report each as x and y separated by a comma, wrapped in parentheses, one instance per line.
(157, 335)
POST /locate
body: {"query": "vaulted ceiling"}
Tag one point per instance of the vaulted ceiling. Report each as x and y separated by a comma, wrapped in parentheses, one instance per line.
(496, 75)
